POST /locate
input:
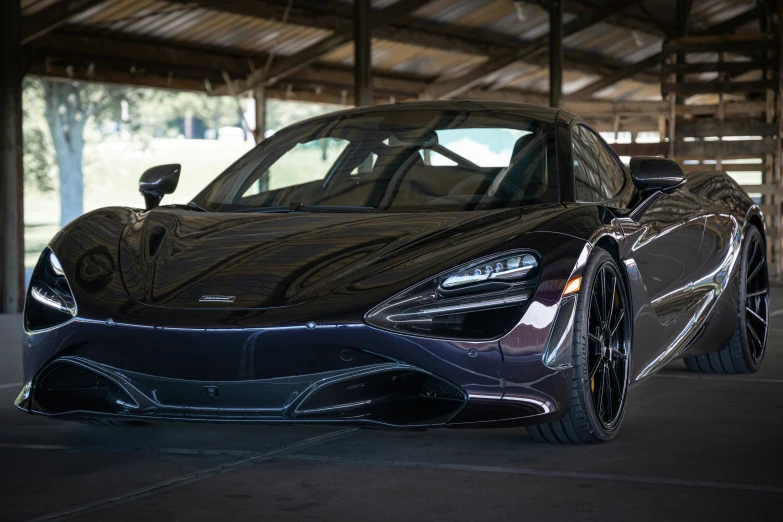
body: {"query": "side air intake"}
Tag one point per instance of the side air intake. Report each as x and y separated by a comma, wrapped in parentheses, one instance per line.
(558, 350)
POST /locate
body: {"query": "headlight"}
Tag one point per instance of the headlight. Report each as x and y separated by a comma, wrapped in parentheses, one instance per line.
(50, 300)
(514, 267)
(480, 301)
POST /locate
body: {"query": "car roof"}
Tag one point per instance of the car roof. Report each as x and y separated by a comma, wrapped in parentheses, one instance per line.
(535, 112)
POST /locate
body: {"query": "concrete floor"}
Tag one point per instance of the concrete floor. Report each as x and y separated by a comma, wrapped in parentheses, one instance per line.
(692, 447)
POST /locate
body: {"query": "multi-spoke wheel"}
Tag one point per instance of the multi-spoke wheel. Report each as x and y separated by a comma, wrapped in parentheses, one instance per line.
(602, 349)
(744, 350)
(607, 347)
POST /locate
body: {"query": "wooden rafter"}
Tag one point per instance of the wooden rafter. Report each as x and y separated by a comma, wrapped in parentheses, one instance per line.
(621, 18)
(52, 17)
(309, 55)
(451, 88)
(413, 30)
(652, 61)
(86, 46)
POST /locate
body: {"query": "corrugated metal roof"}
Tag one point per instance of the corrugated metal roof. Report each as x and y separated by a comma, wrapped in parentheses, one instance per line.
(187, 23)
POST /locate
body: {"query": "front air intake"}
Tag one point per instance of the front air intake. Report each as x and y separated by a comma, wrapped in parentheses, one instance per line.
(66, 387)
(395, 397)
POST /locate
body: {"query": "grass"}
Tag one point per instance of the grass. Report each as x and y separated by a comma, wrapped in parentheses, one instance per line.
(112, 170)
(111, 178)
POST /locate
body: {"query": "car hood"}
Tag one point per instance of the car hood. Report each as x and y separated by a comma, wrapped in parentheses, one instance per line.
(184, 259)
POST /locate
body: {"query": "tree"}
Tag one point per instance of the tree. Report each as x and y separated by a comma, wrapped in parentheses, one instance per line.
(38, 156)
(68, 108)
(66, 115)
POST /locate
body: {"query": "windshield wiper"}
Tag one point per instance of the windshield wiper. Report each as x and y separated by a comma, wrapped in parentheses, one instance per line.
(298, 207)
(263, 210)
(194, 206)
(333, 208)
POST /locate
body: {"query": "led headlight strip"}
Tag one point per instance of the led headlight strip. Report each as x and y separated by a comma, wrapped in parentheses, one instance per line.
(49, 288)
(510, 268)
(481, 300)
(47, 296)
(463, 307)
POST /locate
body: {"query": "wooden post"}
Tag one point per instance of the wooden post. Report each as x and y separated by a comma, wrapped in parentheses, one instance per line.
(555, 52)
(259, 96)
(682, 19)
(362, 53)
(11, 173)
(777, 158)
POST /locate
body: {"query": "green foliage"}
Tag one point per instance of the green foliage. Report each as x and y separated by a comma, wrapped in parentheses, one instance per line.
(140, 113)
(281, 113)
(38, 153)
(161, 109)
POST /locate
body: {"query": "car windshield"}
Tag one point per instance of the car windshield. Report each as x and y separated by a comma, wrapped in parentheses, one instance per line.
(395, 160)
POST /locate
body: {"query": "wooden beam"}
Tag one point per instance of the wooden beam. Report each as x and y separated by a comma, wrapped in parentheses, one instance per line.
(732, 68)
(311, 54)
(556, 10)
(728, 167)
(51, 17)
(624, 125)
(412, 30)
(449, 89)
(11, 170)
(597, 108)
(312, 16)
(651, 61)
(607, 81)
(320, 83)
(688, 89)
(640, 149)
(86, 45)
(712, 149)
(362, 52)
(712, 127)
(737, 43)
(116, 77)
(620, 19)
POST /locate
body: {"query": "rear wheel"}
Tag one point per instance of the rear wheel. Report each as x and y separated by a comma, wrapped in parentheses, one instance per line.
(601, 352)
(745, 349)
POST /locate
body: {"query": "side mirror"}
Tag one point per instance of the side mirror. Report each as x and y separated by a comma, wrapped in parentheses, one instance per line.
(157, 182)
(653, 177)
(654, 174)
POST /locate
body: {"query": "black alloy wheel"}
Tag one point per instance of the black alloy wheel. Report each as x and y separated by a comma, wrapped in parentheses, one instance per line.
(607, 346)
(744, 351)
(601, 358)
(756, 298)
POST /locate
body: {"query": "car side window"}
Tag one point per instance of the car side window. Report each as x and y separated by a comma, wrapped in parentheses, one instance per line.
(597, 175)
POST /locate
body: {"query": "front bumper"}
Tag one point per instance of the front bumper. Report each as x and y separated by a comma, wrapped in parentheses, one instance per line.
(353, 374)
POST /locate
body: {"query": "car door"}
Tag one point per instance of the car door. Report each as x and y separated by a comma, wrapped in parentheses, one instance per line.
(665, 242)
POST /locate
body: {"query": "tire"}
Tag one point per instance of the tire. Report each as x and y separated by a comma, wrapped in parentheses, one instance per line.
(586, 422)
(745, 349)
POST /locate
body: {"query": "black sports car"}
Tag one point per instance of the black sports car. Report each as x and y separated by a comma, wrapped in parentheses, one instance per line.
(411, 265)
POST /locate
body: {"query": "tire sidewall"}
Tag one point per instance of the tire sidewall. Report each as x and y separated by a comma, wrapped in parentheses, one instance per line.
(753, 365)
(598, 259)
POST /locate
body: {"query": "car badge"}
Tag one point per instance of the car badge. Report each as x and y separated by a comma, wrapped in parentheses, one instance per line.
(212, 391)
(217, 299)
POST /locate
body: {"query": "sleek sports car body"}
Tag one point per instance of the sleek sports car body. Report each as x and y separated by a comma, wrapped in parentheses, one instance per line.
(411, 265)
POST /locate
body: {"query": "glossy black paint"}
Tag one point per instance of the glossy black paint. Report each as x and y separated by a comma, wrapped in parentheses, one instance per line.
(157, 182)
(653, 173)
(302, 283)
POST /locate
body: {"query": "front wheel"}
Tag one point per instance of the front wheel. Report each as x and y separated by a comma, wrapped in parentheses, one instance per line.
(601, 358)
